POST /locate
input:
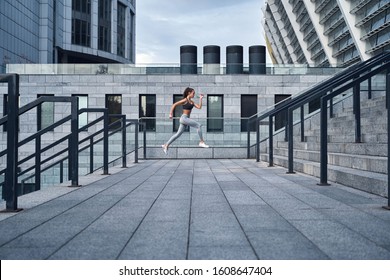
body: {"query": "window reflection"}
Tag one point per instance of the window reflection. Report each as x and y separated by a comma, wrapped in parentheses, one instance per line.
(215, 113)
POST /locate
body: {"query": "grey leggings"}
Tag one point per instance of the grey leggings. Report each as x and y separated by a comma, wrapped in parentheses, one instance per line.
(186, 121)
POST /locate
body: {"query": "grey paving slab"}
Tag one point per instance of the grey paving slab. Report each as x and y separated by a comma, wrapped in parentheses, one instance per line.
(259, 217)
(340, 242)
(373, 228)
(157, 240)
(272, 244)
(243, 197)
(221, 253)
(198, 209)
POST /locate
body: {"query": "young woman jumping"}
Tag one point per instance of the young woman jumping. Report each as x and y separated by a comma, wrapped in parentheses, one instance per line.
(185, 120)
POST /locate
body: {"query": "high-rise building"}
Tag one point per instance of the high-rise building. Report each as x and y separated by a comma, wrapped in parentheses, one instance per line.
(326, 32)
(67, 31)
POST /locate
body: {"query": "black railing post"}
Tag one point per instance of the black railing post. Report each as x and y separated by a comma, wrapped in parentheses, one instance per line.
(290, 133)
(124, 151)
(271, 141)
(91, 154)
(248, 141)
(302, 124)
(323, 142)
(11, 175)
(38, 150)
(388, 138)
(144, 135)
(136, 146)
(61, 172)
(70, 155)
(369, 88)
(38, 163)
(74, 142)
(356, 109)
(285, 113)
(257, 139)
(331, 111)
(105, 143)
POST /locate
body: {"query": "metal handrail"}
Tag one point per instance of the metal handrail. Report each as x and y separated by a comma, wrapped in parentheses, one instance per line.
(92, 142)
(328, 84)
(317, 92)
(351, 78)
(10, 189)
(61, 151)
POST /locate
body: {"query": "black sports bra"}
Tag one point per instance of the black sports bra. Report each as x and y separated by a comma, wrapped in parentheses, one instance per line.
(188, 106)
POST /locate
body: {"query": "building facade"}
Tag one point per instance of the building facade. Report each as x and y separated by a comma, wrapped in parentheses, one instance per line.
(67, 31)
(326, 32)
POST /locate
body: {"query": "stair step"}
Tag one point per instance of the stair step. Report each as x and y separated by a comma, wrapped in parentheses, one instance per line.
(363, 180)
(358, 165)
(361, 162)
(369, 149)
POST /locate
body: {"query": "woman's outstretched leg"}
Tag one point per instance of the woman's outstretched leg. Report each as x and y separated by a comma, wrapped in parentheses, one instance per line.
(173, 138)
(198, 127)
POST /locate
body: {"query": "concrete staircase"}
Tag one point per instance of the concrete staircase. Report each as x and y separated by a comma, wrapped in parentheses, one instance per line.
(359, 165)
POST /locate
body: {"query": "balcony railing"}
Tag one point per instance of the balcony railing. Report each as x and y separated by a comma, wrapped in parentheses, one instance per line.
(155, 69)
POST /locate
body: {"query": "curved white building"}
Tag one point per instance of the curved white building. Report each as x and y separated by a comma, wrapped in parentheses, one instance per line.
(326, 32)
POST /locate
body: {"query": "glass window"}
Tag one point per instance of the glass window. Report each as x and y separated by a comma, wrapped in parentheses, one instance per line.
(104, 40)
(45, 113)
(121, 30)
(215, 113)
(147, 111)
(383, 36)
(131, 32)
(248, 109)
(114, 106)
(177, 113)
(81, 22)
(83, 103)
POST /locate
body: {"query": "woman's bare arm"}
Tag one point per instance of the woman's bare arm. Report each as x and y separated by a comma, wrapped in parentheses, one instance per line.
(199, 106)
(180, 102)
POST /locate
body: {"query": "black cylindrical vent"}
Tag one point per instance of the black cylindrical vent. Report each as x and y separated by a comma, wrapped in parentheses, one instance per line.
(257, 60)
(234, 60)
(188, 59)
(212, 54)
(211, 59)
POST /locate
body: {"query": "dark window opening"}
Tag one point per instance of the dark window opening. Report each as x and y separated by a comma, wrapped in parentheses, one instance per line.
(147, 111)
(280, 118)
(114, 106)
(248, 109)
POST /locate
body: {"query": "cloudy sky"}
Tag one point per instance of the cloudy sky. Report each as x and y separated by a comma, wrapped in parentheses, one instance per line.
(162, 26)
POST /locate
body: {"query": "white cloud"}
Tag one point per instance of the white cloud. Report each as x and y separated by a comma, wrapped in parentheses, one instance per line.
(164, 26)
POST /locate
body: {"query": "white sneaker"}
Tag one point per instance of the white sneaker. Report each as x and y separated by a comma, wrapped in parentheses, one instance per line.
(203, 145)
(165, 149)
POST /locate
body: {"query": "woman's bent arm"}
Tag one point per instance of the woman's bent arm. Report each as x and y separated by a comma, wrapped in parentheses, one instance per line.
(180, 102)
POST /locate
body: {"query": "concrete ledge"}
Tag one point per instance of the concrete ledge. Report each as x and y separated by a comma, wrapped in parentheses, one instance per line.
(197, 152)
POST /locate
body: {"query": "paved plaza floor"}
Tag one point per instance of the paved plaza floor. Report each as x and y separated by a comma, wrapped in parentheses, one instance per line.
(197, 209)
